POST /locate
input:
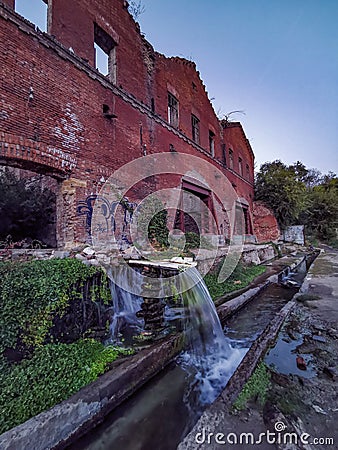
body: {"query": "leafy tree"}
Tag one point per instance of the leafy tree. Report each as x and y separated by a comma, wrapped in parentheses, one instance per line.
(281, 188)
(300, 195)
(321, 216)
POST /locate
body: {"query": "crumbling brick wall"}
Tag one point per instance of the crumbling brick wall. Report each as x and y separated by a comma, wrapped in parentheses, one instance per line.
(265, 224)
(61, 117)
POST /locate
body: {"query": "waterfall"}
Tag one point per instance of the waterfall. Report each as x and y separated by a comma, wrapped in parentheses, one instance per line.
(208, 357)
(125, 304)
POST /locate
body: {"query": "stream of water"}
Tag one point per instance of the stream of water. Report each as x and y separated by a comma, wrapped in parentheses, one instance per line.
(163, 411)
(125, 304)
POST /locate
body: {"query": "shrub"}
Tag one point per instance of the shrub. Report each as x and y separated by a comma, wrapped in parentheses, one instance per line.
(152, 221)
(53, 374)
(194, 240)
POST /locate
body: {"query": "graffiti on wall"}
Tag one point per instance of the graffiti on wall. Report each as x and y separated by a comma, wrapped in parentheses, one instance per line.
(113, 220)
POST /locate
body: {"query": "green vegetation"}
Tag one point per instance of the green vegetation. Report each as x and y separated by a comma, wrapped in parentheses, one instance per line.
(32, 293)
(25, 209)
(298, 195)
(240, 278)
(280, 187)
(54, 373)
(256, 387)
(152, 221)
(194, 240)
(321, 216)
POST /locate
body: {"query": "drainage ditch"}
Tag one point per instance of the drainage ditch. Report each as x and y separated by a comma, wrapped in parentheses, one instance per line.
(165, 409)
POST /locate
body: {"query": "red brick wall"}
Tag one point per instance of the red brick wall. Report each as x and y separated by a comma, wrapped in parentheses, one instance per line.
(265, 224)
(52, 104)
(9, 3)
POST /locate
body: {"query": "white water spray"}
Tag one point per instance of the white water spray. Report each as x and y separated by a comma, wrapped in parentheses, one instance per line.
(209, 357)
(125, 304)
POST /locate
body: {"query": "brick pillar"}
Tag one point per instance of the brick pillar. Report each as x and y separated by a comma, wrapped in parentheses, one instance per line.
(69, 229)
(72, 25)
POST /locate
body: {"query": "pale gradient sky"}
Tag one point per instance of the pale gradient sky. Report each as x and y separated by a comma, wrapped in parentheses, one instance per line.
(275, 60)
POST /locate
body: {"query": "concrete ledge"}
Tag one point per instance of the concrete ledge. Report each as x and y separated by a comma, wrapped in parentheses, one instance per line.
(227, 309)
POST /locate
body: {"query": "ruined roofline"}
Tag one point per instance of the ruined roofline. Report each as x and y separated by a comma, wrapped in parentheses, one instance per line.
(226, 124)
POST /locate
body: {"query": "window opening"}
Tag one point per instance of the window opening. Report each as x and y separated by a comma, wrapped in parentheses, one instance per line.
(105, 53)
(172, 110)
(101, 60)
(224, 154)
(195, 125)
(212, 143)
(240, 166)
(36, 11)
(231, 159)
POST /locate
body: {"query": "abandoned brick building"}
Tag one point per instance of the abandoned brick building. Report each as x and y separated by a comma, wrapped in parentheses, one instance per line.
(62, 117)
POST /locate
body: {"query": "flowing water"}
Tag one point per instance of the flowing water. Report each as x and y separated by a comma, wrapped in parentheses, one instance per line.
(125, 304)
(209, 359)
(163, 411)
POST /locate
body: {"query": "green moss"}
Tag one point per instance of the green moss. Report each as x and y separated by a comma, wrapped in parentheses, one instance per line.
(33, 292)
(54, 373)
(241, 277)
(256, 387)
(307, 297)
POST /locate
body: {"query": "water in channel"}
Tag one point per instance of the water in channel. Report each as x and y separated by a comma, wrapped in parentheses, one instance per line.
(164, 410)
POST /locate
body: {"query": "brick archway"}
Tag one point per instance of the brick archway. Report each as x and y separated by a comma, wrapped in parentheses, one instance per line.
(35, 156)
(40, 158)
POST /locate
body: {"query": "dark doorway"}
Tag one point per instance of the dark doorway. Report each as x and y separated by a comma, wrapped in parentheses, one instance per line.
(195, 209)
(27, 208)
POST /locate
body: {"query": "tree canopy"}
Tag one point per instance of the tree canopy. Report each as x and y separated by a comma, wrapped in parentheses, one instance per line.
(298, 195)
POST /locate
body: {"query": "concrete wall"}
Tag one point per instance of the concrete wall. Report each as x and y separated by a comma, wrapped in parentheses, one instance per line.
(294, 234)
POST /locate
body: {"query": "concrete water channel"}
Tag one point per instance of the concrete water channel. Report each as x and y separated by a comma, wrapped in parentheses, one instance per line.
(165, 409)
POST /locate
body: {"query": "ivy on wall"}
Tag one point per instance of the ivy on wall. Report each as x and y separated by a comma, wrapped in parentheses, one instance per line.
(35, 297)
(33, 293)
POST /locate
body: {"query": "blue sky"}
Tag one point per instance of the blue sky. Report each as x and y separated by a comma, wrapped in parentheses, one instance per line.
(276, 61)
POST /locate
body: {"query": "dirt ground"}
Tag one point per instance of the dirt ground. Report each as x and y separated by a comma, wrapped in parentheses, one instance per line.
(302, 399)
